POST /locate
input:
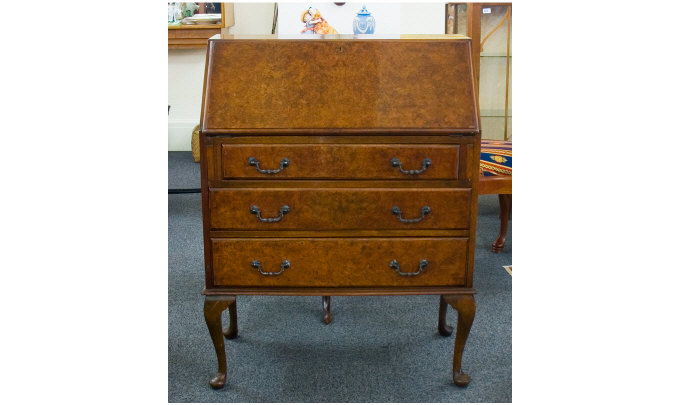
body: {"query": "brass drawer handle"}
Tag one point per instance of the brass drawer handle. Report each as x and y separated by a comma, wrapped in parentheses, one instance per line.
(254, 162)
(258, 265)
(423, 212)
(395, 265)
(255, 210)
(427, 162)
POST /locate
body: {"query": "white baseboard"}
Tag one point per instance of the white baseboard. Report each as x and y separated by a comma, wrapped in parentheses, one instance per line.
(179, 134)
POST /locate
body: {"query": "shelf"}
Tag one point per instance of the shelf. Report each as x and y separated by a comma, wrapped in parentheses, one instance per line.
(191, 38)
(495, 113)
(193, 26)
(493, 55)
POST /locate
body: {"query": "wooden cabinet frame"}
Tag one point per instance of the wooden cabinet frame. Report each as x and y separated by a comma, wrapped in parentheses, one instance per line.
(196, 36)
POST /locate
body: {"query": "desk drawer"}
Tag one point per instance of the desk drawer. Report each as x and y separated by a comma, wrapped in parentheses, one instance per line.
(340, 161)
(339, 262)
(339, 208)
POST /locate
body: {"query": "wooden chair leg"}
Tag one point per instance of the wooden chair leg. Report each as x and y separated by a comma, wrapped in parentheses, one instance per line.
(505, 202)
(212, 310)
(465, 305)
(327, 317)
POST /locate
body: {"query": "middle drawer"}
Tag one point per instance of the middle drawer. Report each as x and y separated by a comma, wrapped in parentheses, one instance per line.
(339, 208)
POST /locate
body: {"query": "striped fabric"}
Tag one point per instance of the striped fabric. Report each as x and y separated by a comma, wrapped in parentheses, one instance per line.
(496, 158)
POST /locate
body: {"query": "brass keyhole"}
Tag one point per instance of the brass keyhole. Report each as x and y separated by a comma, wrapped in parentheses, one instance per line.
(339, 50)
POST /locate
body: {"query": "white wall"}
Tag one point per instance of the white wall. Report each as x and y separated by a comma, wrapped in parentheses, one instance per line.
(185, 87)
(252, 18)
(187, 66)
(423, 18)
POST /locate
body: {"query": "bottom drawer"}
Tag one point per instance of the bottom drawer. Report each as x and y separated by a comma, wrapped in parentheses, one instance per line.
(339, 262)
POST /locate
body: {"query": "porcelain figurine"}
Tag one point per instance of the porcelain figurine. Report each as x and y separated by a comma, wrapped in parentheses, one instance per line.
(177, 13)
(314, 23)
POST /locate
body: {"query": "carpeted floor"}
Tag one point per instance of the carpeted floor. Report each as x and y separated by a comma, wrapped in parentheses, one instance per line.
(377, 349)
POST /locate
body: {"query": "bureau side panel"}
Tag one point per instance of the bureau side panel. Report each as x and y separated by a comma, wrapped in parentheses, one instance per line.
(471, 170)
(207, 161)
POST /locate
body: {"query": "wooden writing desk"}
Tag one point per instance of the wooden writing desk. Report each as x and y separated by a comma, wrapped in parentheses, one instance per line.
(339, 167)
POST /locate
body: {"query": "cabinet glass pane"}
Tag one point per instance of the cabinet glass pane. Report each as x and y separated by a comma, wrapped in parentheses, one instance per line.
(494, 63)
(494, 43)
(492, 128)
(492, 86)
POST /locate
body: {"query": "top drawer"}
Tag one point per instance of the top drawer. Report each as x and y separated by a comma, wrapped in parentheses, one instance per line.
(340, 161)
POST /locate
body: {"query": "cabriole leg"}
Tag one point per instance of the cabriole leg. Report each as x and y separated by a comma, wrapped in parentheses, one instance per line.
(212, 309)
(465, 305)
(444, 329)
(327, 317)
(232, 332)
(504, 201)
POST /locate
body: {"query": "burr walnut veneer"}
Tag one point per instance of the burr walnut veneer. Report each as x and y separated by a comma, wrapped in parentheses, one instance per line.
(339, 167)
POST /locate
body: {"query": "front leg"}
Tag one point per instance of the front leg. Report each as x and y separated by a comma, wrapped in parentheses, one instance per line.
(212, 310)
(465, 305)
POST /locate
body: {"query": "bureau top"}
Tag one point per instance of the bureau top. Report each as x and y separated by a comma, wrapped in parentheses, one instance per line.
(339, 86)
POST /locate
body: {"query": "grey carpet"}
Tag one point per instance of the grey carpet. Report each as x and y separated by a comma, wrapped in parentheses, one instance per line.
(183, 172)
(377, 349)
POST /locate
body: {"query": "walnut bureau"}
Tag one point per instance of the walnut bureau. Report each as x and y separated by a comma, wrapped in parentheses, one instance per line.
(339, 166)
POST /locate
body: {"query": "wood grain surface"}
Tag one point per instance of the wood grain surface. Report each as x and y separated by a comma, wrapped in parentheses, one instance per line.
(340, 85)
(316, 209)
(345, 161)
(339, 262)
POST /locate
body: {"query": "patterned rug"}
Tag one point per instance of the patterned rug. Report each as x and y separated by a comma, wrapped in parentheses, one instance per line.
(508, 269)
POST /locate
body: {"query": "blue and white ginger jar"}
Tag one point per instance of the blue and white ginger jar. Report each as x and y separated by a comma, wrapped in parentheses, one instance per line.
(364, 23)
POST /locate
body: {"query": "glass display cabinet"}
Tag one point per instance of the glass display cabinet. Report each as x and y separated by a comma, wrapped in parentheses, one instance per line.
(490, 27)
